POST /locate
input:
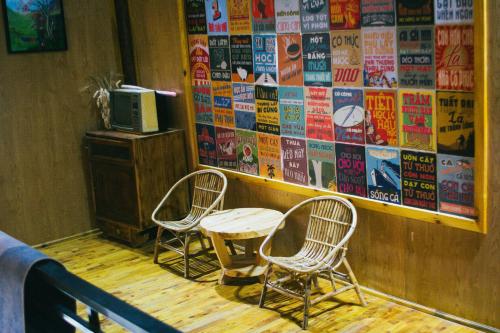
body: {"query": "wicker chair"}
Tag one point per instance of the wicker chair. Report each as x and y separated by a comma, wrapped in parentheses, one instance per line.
(332, 221)
(208, 196)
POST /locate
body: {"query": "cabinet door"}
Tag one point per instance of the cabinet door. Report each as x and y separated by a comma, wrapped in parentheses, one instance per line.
(115, 193)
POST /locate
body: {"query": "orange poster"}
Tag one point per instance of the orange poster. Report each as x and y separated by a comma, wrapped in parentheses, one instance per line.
(240, 21)
(269, 156)
(290, 60)
(222, 104)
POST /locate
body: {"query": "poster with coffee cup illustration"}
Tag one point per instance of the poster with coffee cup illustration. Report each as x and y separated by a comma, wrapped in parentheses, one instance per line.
(287, 16)
(196, 19)
(348, 115)
(216, 14)
(418, 171)
(205, 135)
(202, 97)
(455, 119)
(321, 160)
(416, 57)
(240, 20)
(351, 169)
(292, 118)
(241, 58)
(222, 104)
(266, 105)
(264, 59)
(225, 139)
(269, 156)
(220, 59)
(319, 112)
(380, 118)
(415, 12)
(383, 174)
(345, 14)
(290, 60)
(314, 15)
(293, 153)
(454, 12)
(455, 57)
(379, 51)
(247, 153)
(417, 119)
(199, 57)
(347, 59)
(456, 185)
(244, 106)
(263, 16)
(317, 60)
(377, 13)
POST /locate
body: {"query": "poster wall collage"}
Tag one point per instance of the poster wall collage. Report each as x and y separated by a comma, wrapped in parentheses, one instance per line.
(372, 98)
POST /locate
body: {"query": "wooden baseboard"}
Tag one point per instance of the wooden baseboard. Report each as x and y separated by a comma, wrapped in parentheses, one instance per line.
(85, 233)
(431, 311)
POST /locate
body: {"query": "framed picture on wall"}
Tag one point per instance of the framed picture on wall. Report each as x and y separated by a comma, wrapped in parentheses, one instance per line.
(34, 25)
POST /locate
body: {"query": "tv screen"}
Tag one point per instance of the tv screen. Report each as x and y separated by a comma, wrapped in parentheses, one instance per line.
(122, 114)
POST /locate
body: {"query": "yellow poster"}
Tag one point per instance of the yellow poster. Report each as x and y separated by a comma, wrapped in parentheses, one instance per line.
(222, 104)
(239, 17)
(269, 148)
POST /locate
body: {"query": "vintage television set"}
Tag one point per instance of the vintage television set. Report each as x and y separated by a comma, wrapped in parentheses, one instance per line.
(133, 110)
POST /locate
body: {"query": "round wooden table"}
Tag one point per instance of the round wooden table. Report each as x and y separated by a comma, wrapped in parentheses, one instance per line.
(249, 224)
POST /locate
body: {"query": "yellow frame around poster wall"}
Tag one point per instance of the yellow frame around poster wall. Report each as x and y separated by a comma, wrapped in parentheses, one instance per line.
(481, 140)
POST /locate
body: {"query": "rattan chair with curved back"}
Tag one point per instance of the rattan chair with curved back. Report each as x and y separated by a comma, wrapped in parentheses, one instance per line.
(331, 223)
(207, 196)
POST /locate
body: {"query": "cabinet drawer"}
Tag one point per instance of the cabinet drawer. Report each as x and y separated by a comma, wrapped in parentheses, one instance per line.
(117, 231)
(110, 149)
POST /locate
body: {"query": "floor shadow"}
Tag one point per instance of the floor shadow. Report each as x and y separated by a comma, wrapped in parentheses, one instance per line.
(202, 265)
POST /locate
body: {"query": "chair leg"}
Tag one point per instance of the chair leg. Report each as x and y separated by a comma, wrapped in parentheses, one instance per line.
(315, 281)
(187, 239)
(264, 288)
(354, 282)
(231, 247)
(157, 244)
(202, 242)
(307, 301)
(332, 280)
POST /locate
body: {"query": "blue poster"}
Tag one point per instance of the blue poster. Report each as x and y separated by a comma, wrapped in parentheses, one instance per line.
(216, 12)
(244, 105)
(291, 104)
(317, 60)
(456, 185)
(264, 59)
(205, 135)
(383, 174)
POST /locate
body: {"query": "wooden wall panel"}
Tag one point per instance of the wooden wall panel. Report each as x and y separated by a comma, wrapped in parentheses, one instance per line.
(43, 118)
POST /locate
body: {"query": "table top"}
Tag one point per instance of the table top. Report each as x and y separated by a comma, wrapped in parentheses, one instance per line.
(241, 223)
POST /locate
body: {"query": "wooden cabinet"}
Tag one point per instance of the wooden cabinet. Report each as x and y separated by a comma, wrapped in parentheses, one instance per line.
(130, 174)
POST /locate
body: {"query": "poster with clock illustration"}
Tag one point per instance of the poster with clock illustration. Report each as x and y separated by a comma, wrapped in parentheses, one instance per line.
(264, 59)
(244, 106)
(246, 151)
(348, 115)
(351, 169)
(241, 59)
(321, 160)
(269, 149)
(319, 107)
(293, 152)
(225, 139)
(216, 14)
(220, 59)
(383, 174)
(344, 14)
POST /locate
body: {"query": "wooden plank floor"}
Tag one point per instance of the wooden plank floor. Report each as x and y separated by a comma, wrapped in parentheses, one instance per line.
(201, 305)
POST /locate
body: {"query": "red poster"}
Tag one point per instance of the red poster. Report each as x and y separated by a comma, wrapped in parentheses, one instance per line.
(455, 57)
(319, 109)
(345, 14)
(380, 118)
(198, 53)
(290, 60)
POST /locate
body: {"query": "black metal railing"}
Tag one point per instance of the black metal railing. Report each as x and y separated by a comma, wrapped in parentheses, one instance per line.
(49, 305)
